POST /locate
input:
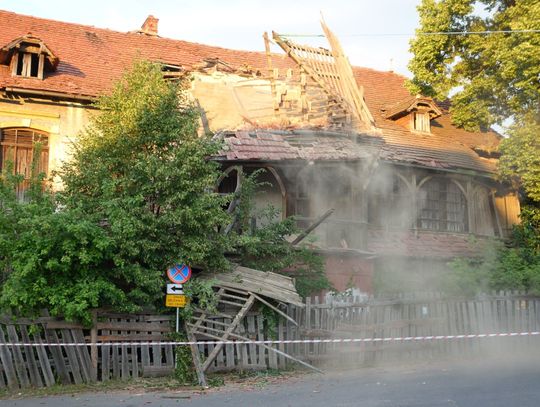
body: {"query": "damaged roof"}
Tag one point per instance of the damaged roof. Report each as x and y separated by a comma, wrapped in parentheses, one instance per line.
(90, 59)
(393, 144)
(311, 145)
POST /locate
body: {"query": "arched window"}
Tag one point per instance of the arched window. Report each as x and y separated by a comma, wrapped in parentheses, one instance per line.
(18, 145)
(390, 202)
(442, 206)
(269, 192)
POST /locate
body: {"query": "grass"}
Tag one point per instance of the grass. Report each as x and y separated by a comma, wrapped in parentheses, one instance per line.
(252, 378)
(145, 385)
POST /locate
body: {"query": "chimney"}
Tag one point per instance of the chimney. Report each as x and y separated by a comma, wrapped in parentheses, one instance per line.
(150, 26)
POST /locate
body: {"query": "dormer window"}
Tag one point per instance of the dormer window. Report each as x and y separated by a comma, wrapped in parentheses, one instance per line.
(28, 57)
(414, 113)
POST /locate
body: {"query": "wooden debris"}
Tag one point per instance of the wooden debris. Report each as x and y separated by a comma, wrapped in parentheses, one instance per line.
(227, 332)
(242, 288)
(196, 357)
(312, 227)
(332, 71)
(267, 284)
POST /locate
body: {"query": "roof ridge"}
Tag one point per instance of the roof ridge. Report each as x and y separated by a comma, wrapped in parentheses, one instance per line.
(161, 38)
(367, 68)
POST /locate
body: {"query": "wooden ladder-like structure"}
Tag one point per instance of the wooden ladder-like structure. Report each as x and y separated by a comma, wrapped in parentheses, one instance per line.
(236, 304)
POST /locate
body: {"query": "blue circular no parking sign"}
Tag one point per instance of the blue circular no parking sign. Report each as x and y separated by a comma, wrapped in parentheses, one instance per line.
(179, 273)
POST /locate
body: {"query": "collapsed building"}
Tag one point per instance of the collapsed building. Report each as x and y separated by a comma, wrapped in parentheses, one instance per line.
(408, 189)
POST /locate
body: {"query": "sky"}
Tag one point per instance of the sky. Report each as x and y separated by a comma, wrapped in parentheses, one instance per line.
(373, 34)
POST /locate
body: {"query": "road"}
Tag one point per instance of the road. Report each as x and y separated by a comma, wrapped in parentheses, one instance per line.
(482, 385)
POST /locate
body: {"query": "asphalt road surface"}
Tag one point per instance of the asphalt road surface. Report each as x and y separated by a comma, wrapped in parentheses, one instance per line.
(486, 384)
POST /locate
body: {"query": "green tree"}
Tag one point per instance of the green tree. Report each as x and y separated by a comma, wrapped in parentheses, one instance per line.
(137, 198)
(494, 77)
(520, 157)
(143, 169)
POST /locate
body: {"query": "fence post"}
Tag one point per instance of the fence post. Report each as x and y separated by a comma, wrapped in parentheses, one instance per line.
(93, 346)
(308, 313)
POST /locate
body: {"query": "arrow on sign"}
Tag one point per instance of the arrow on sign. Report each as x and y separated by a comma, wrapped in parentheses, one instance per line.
(175, 289)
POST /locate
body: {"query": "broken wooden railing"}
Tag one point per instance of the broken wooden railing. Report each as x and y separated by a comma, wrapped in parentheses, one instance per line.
(38, 366)
(54, 354)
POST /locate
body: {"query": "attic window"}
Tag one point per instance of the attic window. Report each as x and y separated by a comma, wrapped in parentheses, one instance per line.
(27, 65)
(421, 121)
(28, 57)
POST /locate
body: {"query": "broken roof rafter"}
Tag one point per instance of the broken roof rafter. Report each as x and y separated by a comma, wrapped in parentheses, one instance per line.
(331, 70)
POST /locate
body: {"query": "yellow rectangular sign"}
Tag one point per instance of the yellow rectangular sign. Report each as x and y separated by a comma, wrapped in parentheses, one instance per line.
(176, 300)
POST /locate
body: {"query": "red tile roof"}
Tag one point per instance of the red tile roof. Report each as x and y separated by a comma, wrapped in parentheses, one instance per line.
(91, 59)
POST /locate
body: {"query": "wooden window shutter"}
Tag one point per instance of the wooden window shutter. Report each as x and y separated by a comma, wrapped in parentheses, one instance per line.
(18, 146)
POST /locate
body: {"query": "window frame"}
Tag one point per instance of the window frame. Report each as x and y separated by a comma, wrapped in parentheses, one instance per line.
(446, 217)
(26, 64)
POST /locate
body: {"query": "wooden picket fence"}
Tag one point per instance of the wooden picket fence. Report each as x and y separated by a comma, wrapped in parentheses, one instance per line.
(124, 357)
(411, 315)
(125, 360)
(419, 315)
(39, 366)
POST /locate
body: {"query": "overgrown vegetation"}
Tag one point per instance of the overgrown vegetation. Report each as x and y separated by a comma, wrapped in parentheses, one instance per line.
(511, 266)
(137, 198)
(520, 157)
(138, 195)
(183, 369)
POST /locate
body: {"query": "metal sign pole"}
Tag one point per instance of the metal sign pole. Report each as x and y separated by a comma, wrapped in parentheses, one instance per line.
(177, 330)
(178, 275)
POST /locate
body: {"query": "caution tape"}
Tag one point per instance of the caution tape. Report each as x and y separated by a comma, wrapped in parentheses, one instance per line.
(285, 341)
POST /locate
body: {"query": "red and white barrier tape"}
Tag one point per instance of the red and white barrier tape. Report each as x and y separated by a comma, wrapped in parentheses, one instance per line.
(290, 341)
